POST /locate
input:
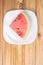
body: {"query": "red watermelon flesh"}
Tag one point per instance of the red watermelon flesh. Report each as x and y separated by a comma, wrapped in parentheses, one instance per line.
(20, 25)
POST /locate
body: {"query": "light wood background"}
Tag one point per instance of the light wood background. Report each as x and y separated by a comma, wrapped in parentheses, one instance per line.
(31, 54)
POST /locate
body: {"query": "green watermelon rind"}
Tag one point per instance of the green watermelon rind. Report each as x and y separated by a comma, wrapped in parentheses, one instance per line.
(28, 21)
(28, 17)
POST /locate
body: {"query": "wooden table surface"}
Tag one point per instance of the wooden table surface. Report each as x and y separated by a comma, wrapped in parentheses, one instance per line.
(31, 54)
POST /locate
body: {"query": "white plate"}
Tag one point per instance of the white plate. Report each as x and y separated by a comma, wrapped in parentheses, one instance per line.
(10, 36)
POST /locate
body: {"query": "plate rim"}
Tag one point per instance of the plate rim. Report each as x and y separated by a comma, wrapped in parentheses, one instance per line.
(21, 10)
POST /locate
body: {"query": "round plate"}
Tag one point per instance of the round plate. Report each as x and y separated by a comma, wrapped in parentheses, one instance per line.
(10, 36)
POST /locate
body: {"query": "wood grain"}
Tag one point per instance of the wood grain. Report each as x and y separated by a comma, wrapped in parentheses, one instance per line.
(41, 27)
(30, 49)
(31, 54)
(0, 54)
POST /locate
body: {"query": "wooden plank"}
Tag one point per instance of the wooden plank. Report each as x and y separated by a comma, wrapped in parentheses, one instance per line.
(6, 55)
(13, 54)
(8, 50)
(1, 44)
(18, 55)
(41, 51)
(41, 17)
(6, 6)
(41, 37)
(19, 48)
(0, 21)
(39, 45)
(9, 57)
(38, 51)
(30, 4)
(26, 4)
(18, 59)
(27, 55)
(30, 54)
(0, 54)
(1, 15)
(30, 49)
(38, 15)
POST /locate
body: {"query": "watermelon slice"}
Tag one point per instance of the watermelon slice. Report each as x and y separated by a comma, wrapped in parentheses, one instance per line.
(21, 25)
